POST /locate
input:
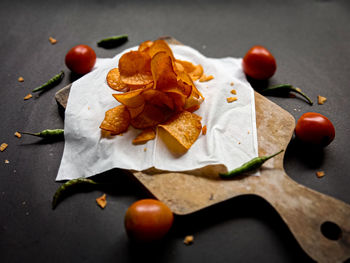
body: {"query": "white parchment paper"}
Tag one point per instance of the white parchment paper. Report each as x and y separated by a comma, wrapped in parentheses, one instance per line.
(231, 137)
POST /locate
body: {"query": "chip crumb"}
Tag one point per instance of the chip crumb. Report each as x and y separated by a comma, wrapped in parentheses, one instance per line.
(28, 96)
(18, 135)
(239, 142)
(231, 99)
(205, 78)
(52, 40)
(145, 149)
(7, 161)
(188, 240)
(234, 92)
(320, 174)
(88, 107)
(3, 146)
(321, 99)
(204, 130)
(232, 83)
(248, 132)
(20, 79)
(101, 201)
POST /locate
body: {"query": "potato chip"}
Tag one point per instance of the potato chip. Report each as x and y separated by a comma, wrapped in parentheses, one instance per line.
(185, 128)
(117, 120)
(194, 71)
(134, 112)
(205, 78)
(145, 46)
(114, 81)
(158, 98)
(179, 101)
(145, 136)
(135, 68)
(160, 46)
(163, 72)
(131, 99)
(149, 117)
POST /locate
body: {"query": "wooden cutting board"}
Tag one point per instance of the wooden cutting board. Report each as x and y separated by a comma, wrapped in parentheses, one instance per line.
(304, 210)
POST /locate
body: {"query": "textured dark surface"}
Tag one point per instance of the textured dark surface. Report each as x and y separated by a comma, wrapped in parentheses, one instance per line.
(310, 41)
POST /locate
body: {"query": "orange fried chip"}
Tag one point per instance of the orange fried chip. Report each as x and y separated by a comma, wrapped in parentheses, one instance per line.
(149, 117)
(163, 72)
(135, 68)
(158, 98)
(205, 78)
(101, 201)
(134, 112)
(160, 46)
(117, 120)
(181, 131)
(114, 82)
(195, 71)
(144, 46)
(145, 136)
(131, 99)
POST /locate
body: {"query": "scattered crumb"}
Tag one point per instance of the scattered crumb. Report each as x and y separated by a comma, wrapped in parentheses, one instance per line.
(188, 240)
(18, 135)
(204, 130)
(3, 146)
(231, 99)
(205, 78)
(248, 132)
(232, 83)
(88, 107)
(7, 161)
(239, 142)
(101, 201)
(320, 174)
(28, 96)
(52, 40)
(234, 92)
(145, 149)
(321, 99)
(20, 79)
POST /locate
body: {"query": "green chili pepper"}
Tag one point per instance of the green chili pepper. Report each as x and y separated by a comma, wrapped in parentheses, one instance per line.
(284, 89)
(47, 133)
(251, 165)
(68, 185)
(51, 83)
(114, 41)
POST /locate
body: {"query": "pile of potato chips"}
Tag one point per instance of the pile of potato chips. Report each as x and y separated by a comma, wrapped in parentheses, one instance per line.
(155, 90)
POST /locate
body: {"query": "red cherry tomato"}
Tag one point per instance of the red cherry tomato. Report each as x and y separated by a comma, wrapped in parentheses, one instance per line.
(148, 220)
(259, 63)
(81, 59)
(314, 128)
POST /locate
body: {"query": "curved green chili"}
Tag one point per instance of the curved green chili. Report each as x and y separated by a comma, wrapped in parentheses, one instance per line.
(114, 41)
(249, 166)
(284, 89)
(51, 83)
(59, 192)
(47, 133)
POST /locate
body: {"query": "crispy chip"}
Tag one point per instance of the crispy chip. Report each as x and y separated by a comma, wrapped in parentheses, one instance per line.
(18, 135)
(205, 78)
(145, 136)
(149, 117)
(144, 46)
(3, 146)
(101, 201)
(158, 98)
(20, 79)
(134, 112)
(231, 99)
(163, 72)
(135, 68)
(194, 71)
(52, 40)
(204, 130)
(117, 120)
(320, 174)
(234, 92)
(114, 81)
(184, 128)
(131, 99)
(160, 46)
(28, 97)
(321, 100)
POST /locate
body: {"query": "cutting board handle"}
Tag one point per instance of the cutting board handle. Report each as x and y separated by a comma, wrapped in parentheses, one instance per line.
(320, 223)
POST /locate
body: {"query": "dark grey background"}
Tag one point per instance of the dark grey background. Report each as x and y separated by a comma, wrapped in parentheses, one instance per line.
(311, 43)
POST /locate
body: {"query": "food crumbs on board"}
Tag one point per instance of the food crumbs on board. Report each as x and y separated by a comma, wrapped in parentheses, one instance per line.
(321, 99)
(20, 79)
(205, 78)
(28, 96)
(231, 99)
(204, 130)
(101, 201)
(320, 174)
(7, 161)
(234, 92)
(18, 135)
(52, 40)
(3, 146)
(232, 83)
(188, 240)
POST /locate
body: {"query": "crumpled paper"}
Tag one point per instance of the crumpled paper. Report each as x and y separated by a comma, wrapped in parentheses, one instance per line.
(231, 138)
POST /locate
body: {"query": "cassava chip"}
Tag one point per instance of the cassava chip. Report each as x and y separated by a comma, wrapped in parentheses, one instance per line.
(130, 99)
(145, 136)
(114, 82)
(117, 120)
(149, 117)
(184, 127)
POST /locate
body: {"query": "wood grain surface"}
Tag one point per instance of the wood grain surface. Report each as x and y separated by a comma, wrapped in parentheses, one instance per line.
(305, 211)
